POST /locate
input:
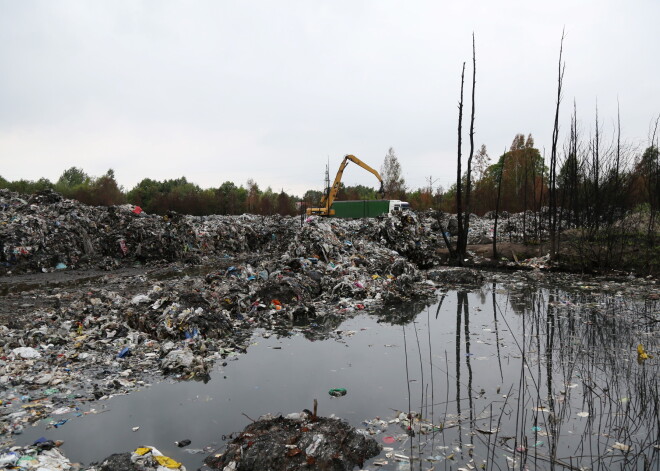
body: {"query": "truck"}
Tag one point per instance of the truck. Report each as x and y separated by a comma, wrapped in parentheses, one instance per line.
(328, 198)
(367, 208)
(355, 209)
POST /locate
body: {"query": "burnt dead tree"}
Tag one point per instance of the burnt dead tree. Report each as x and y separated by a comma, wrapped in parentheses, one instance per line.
(463, 210)
(596, 176)
(459, 194)
(468, 179)
(497, 205)
(654, 197)
(554, 235)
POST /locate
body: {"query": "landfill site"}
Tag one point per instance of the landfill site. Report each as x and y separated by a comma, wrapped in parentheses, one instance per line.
(100, 302)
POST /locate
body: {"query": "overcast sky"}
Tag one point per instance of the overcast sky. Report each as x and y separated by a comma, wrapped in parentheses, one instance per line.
(231, 90)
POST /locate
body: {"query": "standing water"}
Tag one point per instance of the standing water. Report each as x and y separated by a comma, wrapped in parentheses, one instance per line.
(500, 377)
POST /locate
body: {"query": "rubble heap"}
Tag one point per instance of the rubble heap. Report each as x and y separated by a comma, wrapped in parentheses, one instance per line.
(45, 233)
(298, 441)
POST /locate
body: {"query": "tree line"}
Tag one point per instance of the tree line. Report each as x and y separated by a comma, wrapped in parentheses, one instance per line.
(599, 175)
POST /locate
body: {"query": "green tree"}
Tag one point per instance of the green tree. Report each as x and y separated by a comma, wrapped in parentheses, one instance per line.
(644, 185)
(481, 162)
(312, 197)
(105, 191)
(144, 194)
(232, 198)
(394, 184)
(73, 177)
(253, 197)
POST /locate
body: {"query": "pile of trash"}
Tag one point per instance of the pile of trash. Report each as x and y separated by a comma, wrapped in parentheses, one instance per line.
(300, 440)
(145, 458)
(45, 233)
(112, 335)
(41, 455)
(66, 345)
(297, 441)
(45, 455)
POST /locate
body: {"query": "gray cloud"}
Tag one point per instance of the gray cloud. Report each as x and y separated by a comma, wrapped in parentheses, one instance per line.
(222, 91)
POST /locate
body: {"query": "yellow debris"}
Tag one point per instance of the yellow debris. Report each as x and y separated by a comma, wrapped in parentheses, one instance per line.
(142, 451)
(641, 354)
(167, 462)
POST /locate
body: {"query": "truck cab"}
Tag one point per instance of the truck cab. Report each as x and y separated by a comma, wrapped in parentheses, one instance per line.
(397, 206)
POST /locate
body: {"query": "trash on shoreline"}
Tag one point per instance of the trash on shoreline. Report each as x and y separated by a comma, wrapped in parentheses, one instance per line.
(275, 443)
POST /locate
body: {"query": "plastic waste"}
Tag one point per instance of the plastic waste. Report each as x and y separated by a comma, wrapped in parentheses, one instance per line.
(126, 351)
(621, 446)
(316, 441)
(168, 462)
(45, 444)
(26, 352)
(337, 392)
(642, 355)
(9, 459)
(148, 454)
(183, 443)
(178, 359)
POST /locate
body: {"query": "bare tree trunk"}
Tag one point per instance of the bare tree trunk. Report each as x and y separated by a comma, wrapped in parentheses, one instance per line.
(573, 175)
(497, 206)
(459, 194)
(540, 204)
(554, 239)
(534, 213)
(618, 149)
(654, 197)
(525, 190)
(468, 183)
(596, 173)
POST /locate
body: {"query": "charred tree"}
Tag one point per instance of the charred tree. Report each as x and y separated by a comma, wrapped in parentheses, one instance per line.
(554, 236)
(595, 175)
(468, 180)
(459, 193)
(497, 205)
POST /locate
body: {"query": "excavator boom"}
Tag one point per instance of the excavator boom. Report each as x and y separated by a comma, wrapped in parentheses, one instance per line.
(329, 197)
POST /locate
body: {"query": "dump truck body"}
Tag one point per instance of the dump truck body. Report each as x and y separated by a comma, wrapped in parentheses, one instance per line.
(366, 208)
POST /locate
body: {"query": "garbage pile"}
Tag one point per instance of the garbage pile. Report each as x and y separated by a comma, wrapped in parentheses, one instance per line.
(516, 227)
(63, 347)
(45, 233)
(297, 441)
(69, 345)
(41, 455)
(45, 455)
(145, 458)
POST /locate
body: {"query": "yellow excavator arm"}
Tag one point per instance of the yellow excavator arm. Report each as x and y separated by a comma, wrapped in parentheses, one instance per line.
(329, 197)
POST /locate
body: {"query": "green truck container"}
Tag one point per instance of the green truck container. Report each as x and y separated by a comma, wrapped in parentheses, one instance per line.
(366, 208)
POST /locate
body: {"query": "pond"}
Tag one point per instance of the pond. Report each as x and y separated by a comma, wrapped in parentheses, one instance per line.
(505, 376)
